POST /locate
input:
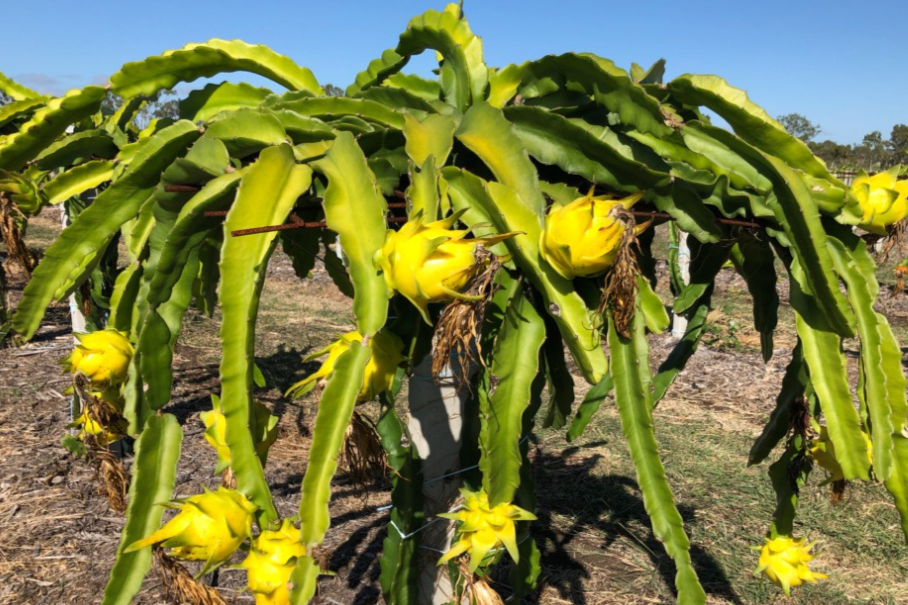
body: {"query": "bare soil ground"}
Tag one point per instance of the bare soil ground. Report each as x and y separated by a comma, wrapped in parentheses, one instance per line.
(58, 535)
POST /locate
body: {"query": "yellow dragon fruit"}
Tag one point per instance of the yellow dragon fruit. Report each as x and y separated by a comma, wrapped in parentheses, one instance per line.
(581, 239)
(102, 356)
(784, 561)
(209, 527)
(430, 262)
(883, 198)
(270, 562)
(484, 528)
(216, 431)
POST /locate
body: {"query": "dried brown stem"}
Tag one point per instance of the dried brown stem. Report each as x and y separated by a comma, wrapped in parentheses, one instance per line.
(298, 223)
(228, 478)
(284, 227)
(723, 221)
(737, 223)
(85, 294)
(838, 491)
(798, 427)
(901, 271)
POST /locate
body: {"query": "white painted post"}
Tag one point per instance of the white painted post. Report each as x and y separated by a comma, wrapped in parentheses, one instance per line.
(879, 245)
(679, 322)
(435, 425)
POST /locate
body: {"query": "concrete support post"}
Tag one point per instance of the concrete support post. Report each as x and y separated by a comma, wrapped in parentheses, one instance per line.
(436, 421)
(679, 322)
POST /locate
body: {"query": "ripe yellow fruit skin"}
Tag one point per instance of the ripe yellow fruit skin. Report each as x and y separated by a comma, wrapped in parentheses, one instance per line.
(430, 262)
(784, 561)
(209, 527)
(102, 356)
(581, 239)
(883, 198)
(484, 528)
(216, 431)
(216, 434)
(270, 563)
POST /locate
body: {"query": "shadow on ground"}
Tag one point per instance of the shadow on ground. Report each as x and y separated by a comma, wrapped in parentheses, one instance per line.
(607, 508)
(196, 381)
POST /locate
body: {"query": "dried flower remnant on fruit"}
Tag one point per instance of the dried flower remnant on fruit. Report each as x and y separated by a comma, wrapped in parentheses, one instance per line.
(101, 416)
(362, 456)
(179, 586)
(457, 333)
(88, 425)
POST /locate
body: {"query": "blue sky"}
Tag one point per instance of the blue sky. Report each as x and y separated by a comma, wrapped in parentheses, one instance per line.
(841, 64)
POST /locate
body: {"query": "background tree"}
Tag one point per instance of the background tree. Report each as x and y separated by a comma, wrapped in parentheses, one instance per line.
(835, 155)
(799, 126)
(162, 104)
(4, 98)
(872, 151)
(898, 144)
(333, 91)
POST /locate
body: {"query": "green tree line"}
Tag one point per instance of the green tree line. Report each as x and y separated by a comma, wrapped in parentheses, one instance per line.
(873, 153)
